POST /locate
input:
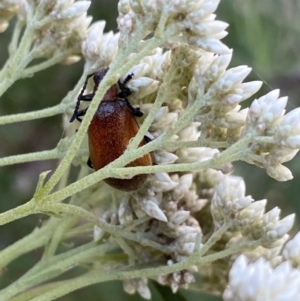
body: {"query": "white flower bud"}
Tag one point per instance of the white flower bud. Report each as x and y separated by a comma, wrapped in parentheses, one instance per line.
(174, 287)
(162, 182)
(129, 286)
(125, 23)
(186, 248)
(291, 250)
(288, 132)
(153, 210)
(279, 172)
(230, 196)
(163, 119)
(184, 184)
(273, 228)
(209, 44)
(143, 86)
(206, 9)
(232, 78)
(76, 10)
(179, 217)
(143, 289)
(252, 213)
(248, 89)
(232, 99)
(183, 229)
(236, 119)
(209, 28)
(164, 157)
(123, 7)
(137, 71)
(266, 112)
(283, 226)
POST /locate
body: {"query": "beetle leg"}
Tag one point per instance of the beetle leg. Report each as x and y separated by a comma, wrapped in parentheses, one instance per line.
(80, 114)
(124, 90)
(87, 97)
(138, 112)
(128, 78)
(147, 139)
(135, 111)
(89, 163)
(80, 97)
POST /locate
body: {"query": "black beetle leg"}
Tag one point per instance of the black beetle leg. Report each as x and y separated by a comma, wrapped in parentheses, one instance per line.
(80, 114)
(89, 163)
(80, 97)
(147, 139)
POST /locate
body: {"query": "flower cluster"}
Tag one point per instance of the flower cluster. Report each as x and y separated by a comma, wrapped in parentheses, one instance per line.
(260, 281)
(99, 48)
(55, 25)
(191, 22)
(266, 119)
(183, 208)
(191, 207)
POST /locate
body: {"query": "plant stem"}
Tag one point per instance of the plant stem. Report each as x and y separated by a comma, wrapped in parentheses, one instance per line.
(38, 156)
(34, 240)
(46, 64)
(58, 109)
(68, 286)
(47, 270)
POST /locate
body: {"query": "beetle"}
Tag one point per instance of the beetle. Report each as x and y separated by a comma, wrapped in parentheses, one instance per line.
(112, 128)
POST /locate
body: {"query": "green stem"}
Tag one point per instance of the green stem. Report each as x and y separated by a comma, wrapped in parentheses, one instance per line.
(46, 270)
(216, 236)
(57, 109)
(197, 143)
(68, 286)
(15, 38)
(34, 240)
(17, 213)
(48, 63)
(113, 230)
(38, 156)
(58, 235)
(160, 99)
(34, 292)
(127, 249)
(230, 155)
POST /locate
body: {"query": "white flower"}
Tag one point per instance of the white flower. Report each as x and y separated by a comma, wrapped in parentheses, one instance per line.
(139, 285)
(100, 47)
(164, 157)
(153, 210)
(273, 228)
(258, 281)
(142, 86)
(291, 251)
(179, 217)
(266, 112)
(75, 10)
(230, 196)
(279, 172)
(288, 132)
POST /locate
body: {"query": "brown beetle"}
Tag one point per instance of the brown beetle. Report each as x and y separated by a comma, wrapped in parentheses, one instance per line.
(111, 129)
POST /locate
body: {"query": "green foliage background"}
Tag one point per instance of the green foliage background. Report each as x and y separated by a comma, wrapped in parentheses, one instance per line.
(264, 35)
